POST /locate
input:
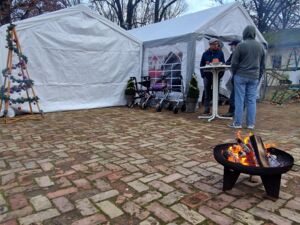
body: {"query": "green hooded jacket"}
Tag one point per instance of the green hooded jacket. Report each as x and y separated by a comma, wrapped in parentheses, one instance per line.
(248, 59)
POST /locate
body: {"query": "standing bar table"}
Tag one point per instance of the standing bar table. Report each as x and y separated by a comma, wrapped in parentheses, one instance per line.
(215, 70)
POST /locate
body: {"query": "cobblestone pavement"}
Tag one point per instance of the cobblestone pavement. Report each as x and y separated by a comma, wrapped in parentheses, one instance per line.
(128, 166)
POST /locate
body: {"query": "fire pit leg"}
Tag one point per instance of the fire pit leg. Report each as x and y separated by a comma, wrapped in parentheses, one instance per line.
(229, 178)
(272, 184)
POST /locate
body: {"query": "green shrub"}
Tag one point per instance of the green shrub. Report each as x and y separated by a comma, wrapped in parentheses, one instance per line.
(193, 91)
(130, 89)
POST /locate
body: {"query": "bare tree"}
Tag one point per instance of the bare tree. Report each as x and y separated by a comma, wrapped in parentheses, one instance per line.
(13, 10)
(134, 13)
(272, 14)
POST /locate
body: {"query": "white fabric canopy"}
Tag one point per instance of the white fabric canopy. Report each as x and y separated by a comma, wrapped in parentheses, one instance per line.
(77, 59)
(225, 22)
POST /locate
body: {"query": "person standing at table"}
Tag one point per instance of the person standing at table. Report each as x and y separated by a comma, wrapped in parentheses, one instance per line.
(247, 65)
(213, 54)
(230, 112)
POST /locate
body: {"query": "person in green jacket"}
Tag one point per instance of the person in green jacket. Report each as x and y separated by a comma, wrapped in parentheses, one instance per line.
(247, 65)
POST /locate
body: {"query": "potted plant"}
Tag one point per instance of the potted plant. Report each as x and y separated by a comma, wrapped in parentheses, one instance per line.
(192, 95)
(130, 92)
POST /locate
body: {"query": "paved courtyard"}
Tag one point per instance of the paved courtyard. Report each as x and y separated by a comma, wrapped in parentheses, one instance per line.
(128, 166)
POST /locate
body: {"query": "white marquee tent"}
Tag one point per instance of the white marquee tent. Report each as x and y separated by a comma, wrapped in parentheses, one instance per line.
(77, 59)
(186, 38)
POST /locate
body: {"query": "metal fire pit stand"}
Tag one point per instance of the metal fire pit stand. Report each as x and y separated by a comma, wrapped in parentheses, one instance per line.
(270, 176)
(270, 182)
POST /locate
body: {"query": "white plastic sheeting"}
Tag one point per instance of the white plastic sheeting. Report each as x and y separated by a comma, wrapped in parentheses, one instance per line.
(77, 59)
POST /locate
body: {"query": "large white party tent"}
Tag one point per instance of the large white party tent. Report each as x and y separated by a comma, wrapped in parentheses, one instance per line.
(77, 58)
(183, 40)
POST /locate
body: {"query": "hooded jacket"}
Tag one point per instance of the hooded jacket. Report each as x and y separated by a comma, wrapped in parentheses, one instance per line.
(248, 59)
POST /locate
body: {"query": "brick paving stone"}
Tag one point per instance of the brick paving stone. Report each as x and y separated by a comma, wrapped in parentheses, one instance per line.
(190, 164)
(17, 201)
(150, 221)
(91, 220)
(138, 186)
(82, 184)
(85, 207)
(102, 185)
(47, 166)
(201, 171)
(116, 176)
(44, 181)
(39, 217)
(183, 170)
(212, 179)
(171, 198)
(62, 192)
(11, 222)
(161, 212)
(191, 178)
(184, 187)
(8, 178)
(220, 201)
(172, 177)
(161, 186)
(207, 188)
(215, 170)
(290, 214)
(147, 168)
(2, 164)
(16, 214)
(130, 168)
(284, 195)
(195, 199)
(132, 177)
(79, 167)
(40, 202)
(271, 205)
(207, 164)
(215, 215)
(150, 177)
(110, 209)
(136, 155)
(265, 214)
(2, 200)
(148, 197)
(189, 215)
(245, 203)
(104, 195)
(242, 216)
(164, 169)
(63, 182)
(292, 204)
(98, 175)
(113, 167)
(63, 204)
(135, 210)
(139, 161)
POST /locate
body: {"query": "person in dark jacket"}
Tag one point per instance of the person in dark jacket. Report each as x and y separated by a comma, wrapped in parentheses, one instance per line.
(230, 112)
(214, 53)
(247, 65)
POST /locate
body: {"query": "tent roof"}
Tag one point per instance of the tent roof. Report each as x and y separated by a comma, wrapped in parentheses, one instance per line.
(41, 19)
(196, 22)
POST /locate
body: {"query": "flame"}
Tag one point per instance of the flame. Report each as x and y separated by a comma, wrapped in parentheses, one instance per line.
(237, 154)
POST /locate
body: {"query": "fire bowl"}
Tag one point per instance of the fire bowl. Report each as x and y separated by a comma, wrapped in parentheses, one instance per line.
(270, 176)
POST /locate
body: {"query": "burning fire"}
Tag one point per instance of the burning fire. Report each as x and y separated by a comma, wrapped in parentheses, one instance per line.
(243, 151)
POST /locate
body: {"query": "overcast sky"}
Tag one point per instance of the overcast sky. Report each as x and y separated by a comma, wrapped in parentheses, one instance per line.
(196, 5)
